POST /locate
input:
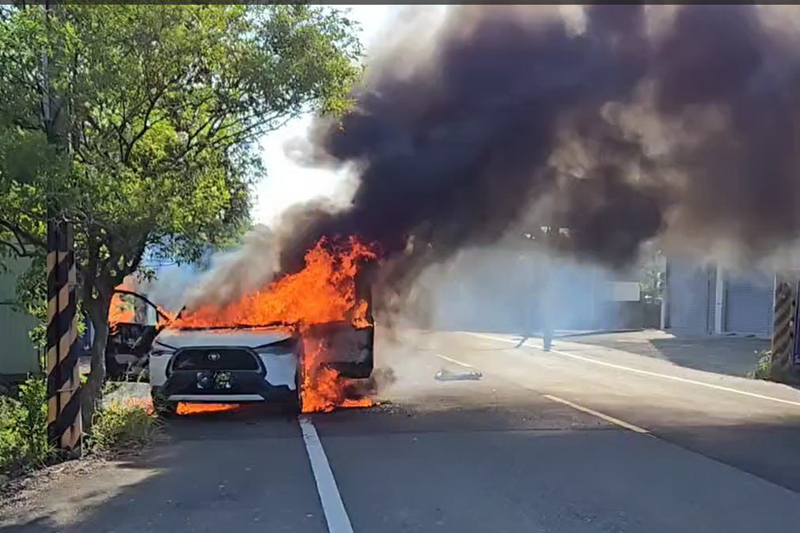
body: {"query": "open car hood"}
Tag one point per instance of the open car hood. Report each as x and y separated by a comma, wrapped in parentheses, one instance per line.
(174, 338)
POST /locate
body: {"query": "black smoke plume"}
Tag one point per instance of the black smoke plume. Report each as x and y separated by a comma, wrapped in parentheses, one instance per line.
(632, 121)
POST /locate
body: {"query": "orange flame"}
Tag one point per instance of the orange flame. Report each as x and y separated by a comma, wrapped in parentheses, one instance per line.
(323, 390)
(204, 408)
(322, 292)
(183, 408)
(120, 311)
(123, 309)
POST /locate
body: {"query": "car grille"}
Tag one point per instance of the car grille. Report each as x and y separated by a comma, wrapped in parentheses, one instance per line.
(215, 359)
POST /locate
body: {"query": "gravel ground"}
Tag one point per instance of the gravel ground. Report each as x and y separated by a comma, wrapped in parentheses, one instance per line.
(18, 492)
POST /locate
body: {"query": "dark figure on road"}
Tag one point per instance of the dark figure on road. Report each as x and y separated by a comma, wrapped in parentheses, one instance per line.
(547, 336)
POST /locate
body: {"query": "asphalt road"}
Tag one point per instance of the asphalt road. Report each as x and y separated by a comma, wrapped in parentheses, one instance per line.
(582, 439)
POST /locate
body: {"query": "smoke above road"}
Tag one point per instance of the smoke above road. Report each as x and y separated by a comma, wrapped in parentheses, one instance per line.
(632, 120)
(621, 123)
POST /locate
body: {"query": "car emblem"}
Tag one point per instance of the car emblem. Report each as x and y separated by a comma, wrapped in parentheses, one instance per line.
(213, 356)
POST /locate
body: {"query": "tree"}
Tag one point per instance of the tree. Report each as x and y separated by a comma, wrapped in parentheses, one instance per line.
(153, 114)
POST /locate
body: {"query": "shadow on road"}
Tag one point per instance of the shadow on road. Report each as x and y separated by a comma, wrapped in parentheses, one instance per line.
(733, 356)
(247, 471)
(208, 468)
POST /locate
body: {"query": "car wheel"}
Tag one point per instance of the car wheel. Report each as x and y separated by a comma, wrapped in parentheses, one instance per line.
(114, 370)
(163, 407)
(295, 403)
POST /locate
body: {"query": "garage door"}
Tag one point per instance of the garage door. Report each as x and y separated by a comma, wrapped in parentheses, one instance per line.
(688, 287)
(748, 304)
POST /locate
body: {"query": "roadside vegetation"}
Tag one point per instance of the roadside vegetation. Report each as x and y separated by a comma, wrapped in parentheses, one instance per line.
(150, 146)
(23, 429)
(763, 365)
(120, 426)
(139, 125)
(124, 426)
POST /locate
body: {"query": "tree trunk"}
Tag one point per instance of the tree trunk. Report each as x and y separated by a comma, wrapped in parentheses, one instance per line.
(93, 390)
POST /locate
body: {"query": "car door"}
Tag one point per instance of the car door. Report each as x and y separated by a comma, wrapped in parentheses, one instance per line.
(347, 346)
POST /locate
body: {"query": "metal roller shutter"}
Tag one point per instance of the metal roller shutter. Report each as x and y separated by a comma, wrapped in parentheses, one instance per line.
(748, 304)
(688, 286)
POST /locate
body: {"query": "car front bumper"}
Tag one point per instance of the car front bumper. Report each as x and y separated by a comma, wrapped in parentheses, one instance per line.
(246, 386)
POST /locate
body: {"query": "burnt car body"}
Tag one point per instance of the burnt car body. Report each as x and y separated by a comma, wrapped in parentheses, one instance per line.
(257, 363)
(129, 343)
(254, 364)
(128, 347)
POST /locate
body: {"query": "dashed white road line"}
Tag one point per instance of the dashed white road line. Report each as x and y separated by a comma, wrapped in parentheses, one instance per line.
(332, 505)
(587, 410)
(649, 373)
(598, 414)
(453, 360)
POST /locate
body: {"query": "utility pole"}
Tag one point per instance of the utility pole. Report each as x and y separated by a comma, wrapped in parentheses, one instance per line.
(785, 360)
(64, 426)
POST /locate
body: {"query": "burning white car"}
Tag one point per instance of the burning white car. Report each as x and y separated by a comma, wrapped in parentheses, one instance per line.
(305, 338)
(270, 363)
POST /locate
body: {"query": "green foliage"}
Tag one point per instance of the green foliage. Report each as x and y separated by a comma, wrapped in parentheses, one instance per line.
(651, 274)
(23, 428)
(154, 110)
(763, 365)
(159, 107)
(121, 426)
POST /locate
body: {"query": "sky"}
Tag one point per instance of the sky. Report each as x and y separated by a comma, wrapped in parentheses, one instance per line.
(285, 182)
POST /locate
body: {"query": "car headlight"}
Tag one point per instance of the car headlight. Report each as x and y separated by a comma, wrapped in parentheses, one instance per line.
(161, 353)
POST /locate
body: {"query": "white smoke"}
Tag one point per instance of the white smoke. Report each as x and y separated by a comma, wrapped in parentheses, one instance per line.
(234, 273)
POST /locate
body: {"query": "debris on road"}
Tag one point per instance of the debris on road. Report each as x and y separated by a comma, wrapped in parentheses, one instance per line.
(448, 375)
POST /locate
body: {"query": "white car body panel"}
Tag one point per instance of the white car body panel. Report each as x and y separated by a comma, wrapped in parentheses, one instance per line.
(214, 398)
(281, 367)
(158, 369)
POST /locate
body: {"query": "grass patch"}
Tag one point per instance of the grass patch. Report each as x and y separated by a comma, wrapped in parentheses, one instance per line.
(23, 429)
(121, 426)
(762, 370)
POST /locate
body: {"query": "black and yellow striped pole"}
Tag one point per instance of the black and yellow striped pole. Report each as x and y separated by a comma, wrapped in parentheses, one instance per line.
(785, 311)
(63, 379)
(785, 360)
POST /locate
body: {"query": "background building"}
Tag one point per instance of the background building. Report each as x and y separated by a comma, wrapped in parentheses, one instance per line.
(708, 299)
(17, 354)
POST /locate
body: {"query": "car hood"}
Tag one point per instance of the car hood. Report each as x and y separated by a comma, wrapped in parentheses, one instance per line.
(175, 338)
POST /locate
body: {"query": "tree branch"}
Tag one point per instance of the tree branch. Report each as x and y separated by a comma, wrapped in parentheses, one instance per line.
(18, 249)
(21, 235)
(145, 127)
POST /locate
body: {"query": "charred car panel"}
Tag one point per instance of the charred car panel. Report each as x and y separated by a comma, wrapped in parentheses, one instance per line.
(127, 347)
(254, 363)
(345, 348)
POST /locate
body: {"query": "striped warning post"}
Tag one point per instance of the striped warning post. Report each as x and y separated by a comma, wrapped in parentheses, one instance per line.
(783, 338)
(63, 380)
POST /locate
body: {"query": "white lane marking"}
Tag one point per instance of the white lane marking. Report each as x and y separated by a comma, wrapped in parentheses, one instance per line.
(332, 505)
(649, 373)
(598, 414)
(452, 360)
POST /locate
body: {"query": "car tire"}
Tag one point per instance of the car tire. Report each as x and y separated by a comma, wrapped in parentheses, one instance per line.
(114, 370)
(295, 403)
(292, 405)
(163, 407)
